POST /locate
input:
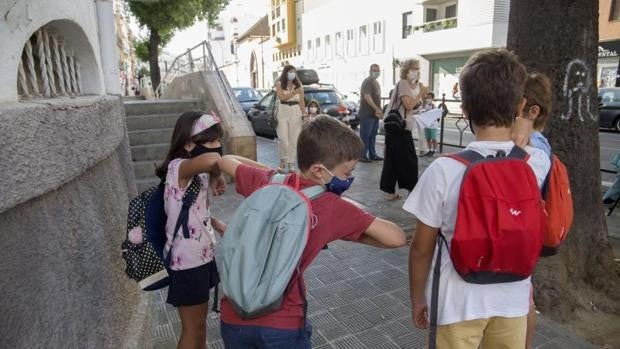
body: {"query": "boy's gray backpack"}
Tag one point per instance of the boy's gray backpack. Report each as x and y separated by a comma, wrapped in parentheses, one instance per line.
(262, 246)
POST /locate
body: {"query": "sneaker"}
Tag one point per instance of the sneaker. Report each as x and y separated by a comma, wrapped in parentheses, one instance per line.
(376, 158)
(428, 153)
(365, 159)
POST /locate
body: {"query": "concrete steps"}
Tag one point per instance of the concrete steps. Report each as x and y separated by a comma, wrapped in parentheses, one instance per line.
(149, 126)
(133, 98)
(160, 106)
(150, 136)
(150, 122)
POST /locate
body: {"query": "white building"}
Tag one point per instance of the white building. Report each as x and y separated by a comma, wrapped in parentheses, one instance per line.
(445, 33)
(442, 34)
(234, 20)
(253, 66)
(342, 40)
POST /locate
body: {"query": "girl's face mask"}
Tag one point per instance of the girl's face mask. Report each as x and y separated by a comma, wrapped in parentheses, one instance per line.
(200, 149)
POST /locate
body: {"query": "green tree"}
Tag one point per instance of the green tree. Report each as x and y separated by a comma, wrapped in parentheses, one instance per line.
(141, 48)
(162, 18)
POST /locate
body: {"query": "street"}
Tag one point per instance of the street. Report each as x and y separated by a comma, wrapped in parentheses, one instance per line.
(609, 143)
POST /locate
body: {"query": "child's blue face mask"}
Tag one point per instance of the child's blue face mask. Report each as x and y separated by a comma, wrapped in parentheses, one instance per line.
(337, 185)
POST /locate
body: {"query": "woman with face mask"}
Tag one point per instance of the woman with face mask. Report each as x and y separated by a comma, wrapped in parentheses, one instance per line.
(401, 161)
(291, 110)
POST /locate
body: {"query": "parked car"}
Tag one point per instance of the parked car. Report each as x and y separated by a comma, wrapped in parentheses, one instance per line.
(609, 108)
(247, 97)
(329, 102)
(352, 105)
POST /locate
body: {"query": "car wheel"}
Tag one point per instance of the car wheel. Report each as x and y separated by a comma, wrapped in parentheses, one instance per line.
(617, 124)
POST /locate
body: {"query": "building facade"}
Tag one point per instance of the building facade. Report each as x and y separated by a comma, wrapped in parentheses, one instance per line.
(254, 64)
(235, 20)
(128, 63)
(286, 31)
(342, 48)
(442, 34)
(445, 33)
(609, 43)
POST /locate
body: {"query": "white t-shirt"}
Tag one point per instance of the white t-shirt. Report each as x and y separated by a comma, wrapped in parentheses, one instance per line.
(434, 202)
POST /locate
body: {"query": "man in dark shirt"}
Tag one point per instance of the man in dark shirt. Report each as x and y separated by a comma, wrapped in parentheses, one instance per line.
(370, 112)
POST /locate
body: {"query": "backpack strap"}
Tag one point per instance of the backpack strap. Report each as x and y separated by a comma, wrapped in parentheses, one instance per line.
(312, 192)
(466, 157)
(277, 178)
(545, 186)
(188, 200)
(432, 337)
(518, 153)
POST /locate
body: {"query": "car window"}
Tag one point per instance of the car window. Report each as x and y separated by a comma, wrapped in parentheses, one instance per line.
(247, 95)
(617, 95)
(323, 97)
(268, 100)
(608, 96)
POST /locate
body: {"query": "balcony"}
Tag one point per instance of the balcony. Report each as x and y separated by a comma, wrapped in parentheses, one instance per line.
(446, 23)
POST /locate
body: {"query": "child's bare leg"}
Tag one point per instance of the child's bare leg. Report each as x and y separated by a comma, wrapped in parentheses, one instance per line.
(193, 326)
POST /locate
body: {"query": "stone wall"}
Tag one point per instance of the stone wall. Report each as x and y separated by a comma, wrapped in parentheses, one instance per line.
(67, 177)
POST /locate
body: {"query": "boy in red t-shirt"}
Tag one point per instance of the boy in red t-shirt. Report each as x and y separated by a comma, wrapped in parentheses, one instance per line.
(327, 152)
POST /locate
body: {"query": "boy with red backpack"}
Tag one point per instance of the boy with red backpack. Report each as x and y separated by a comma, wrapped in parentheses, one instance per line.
(556, 191)
(480, 219)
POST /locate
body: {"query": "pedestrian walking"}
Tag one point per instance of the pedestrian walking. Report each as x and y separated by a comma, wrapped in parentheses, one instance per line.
(291, 110)
(191, 165)
(369, 113)
(401, 161)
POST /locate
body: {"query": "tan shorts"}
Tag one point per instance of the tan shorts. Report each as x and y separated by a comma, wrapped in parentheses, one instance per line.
(491, 333)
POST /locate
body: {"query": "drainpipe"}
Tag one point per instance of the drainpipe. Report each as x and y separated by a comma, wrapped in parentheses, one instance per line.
(107, 46)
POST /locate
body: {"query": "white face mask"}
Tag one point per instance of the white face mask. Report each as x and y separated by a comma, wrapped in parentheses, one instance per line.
(313, 110)
(290, 76)
(412, 75)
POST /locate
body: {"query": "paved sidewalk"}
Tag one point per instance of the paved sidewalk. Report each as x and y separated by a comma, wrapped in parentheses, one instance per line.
(358, 295)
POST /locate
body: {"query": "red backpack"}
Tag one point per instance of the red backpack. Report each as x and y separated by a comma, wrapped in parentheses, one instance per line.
(500, 219)
(559, 207)
(500, 223)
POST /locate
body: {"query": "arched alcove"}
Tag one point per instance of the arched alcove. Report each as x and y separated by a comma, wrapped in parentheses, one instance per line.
(58, 60)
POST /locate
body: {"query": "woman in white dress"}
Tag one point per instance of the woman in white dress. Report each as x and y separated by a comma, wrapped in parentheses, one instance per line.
(291, 110)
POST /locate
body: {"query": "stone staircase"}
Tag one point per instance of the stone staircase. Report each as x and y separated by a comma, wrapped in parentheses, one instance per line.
(150, 125)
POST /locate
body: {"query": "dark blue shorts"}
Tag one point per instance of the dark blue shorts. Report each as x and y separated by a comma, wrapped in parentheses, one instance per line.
(192, 286)
(256, 337)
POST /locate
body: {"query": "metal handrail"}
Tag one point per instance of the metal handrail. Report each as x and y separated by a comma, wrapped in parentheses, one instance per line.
(189, 62)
